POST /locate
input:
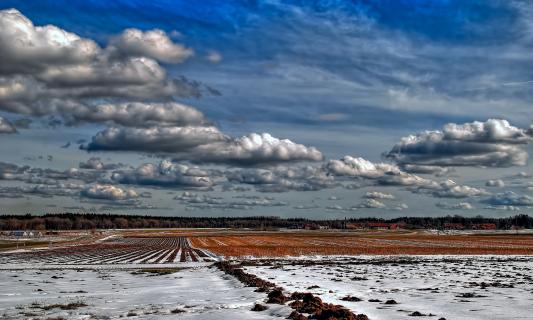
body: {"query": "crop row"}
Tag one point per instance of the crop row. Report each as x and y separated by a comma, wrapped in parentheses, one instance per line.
(114, 251)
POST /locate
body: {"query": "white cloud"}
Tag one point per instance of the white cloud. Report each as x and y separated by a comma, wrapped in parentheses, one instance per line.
(27, 48)
(96, 163)
(450, 189)
(359, 167)
(372, 204)
(400, 207)
(510, 198)
(378, 195)
(152, 43)
(6, 126)
(214, 57)
(154, 139)
(108, 192)
(165, 174)
(492, 143)
(497, 183)
(252, 149)
(456, 206)
(46, 70)
(283, 178)
(138, 114)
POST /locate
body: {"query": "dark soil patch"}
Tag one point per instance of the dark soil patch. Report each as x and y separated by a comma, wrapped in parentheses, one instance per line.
(259, 307)
(351, 299)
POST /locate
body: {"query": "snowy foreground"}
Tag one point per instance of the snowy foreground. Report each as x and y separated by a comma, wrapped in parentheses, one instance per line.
(192, 293)
(450, 287)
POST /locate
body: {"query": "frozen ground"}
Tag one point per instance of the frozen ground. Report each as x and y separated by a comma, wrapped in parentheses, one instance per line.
(452, 287)
(191, 293)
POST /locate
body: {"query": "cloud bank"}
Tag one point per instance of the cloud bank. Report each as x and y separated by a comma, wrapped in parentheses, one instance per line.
(494, 143)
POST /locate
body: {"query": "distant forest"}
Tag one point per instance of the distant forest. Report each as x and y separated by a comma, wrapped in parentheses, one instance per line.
(71, 221)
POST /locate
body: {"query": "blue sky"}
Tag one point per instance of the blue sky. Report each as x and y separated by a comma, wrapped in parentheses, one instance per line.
(342, 78)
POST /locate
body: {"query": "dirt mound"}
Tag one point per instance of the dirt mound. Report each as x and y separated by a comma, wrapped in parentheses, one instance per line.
(295, 315)
(259, 307)
(249, 280)
(351, 298)
(302, 303)
(331, 312)
(277, 296)
(310, 304)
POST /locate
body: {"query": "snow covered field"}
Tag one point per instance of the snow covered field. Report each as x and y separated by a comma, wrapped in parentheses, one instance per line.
(162, 278)
(192, 293)
(450, 287)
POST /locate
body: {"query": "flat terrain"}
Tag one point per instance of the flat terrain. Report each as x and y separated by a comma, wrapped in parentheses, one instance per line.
(113, 250)
(193, 293)
(166, 273)
(280, 244)
(452, 287)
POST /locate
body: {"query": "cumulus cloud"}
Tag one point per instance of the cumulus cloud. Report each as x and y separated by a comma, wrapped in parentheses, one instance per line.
(42, 190)
(305, 207)
(283, 178)
(152, 43)
(382, 173)
(96, 163)
(422, 169)
(205, 201)
(191, 197)
(359, 167)
(10, 171)
(456, 206)
(92, 163)
(49, 71)
(497, 183)
(503, 208)
(252, 149)
(154, 139)
(510, 198)
(493, 143)
(336, 207)
(139, 114)
(214, 57)
(372, 204)
(45, 176)
(27, 48)
(203, 144)
(6, 126)
(378, 195)
(108, 192)
(400, 207)
(390, 175)
(164, 174)
(406, 179)
(450, 189)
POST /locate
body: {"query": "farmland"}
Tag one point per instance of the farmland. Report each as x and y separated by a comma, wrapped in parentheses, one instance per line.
(162, 273)
(114, 250)
(361, 243)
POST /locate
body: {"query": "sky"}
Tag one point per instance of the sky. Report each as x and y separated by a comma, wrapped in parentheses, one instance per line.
(315, 109)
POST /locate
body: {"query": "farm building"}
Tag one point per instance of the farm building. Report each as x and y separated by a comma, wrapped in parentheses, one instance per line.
(484, 226)
(26, 234)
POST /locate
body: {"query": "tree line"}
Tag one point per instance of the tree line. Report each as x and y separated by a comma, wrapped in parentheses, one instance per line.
(88, 221)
